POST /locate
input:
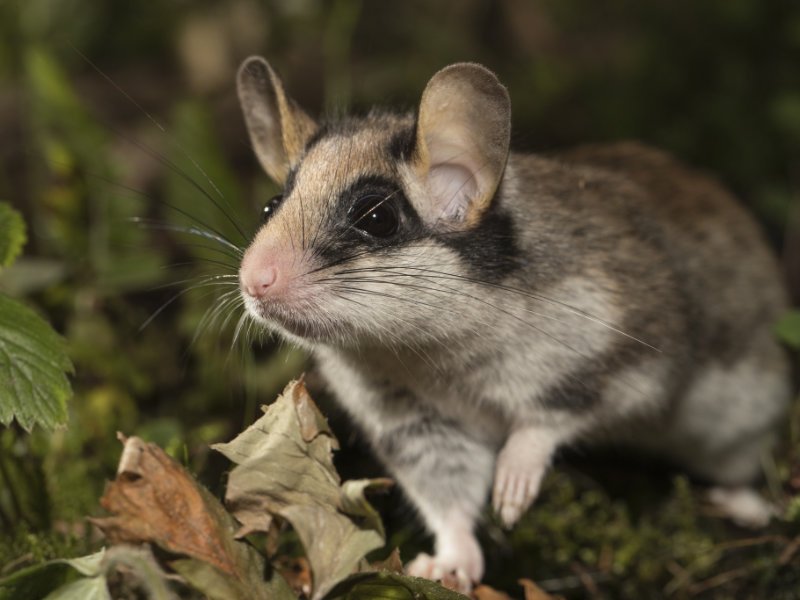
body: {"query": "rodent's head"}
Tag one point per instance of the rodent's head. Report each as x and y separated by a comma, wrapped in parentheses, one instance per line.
(376, 213)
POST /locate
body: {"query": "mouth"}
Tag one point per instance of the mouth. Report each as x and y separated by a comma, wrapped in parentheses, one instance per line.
(300, 328)
(278, 318)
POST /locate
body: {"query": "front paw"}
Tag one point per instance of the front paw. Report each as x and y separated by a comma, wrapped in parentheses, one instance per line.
(518, 475)
(513, 494)
(458, 566)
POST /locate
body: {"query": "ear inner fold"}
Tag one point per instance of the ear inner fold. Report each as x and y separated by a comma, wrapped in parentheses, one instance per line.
(463, 132)
(278, 127)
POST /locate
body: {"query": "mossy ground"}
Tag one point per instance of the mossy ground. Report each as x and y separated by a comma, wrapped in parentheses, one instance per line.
(715, 83)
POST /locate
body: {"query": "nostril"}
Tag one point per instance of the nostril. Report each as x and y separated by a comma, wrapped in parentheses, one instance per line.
(259, 282)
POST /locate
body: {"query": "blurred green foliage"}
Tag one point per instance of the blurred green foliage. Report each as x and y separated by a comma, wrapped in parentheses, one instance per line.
(12, 235)
(109, 192)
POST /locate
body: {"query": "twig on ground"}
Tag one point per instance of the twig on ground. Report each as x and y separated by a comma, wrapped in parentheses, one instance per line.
(789, 551)
(586, 579)
(718, 580)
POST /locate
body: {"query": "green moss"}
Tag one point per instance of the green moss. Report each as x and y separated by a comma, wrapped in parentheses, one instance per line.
(23, 547)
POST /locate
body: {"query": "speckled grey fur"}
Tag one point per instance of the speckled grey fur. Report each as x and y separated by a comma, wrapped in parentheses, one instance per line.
(605, 294)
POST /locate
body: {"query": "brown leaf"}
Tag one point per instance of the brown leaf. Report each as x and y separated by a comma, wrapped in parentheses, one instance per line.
(297, 573)
(484, 592)
(392, 563)
(534, 592)
(154, 500)
(312, 422)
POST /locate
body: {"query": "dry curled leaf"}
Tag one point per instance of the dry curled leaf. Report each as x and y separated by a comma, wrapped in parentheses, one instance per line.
(484, 592)
(285, 468)
(154, 500)
(297, 573)
(534, 592)
(392, 563)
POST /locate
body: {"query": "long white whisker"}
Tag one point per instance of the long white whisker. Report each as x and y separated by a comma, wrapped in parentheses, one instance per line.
(191, 230)
(563, 305)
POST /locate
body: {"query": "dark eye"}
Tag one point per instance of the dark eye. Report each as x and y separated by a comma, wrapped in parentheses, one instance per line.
(270, 207)
(375, 215)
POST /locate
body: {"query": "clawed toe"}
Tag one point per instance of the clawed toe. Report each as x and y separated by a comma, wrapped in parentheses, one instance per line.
(421, 566)
(458, 562)
(428, 567)
(744, 506)
(509, 514)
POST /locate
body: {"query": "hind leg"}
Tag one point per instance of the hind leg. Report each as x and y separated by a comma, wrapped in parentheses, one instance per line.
(724, 428)
(733, 473)
(742, 505)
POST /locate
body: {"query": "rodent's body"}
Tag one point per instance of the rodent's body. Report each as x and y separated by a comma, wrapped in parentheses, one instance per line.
(606, 294)
(655, 263)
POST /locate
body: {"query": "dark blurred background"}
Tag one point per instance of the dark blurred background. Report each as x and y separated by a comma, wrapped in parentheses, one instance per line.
(112, 111)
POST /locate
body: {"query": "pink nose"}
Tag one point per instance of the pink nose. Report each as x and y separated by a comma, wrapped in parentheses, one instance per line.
(256, 282)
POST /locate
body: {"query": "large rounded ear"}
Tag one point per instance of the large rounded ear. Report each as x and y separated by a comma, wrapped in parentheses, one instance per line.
(278, 127)
(463, 132)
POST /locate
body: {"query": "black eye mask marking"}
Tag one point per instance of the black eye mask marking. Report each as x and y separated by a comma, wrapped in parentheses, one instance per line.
(291, 178)
(372, 213)
(490, 249)
(403, 144)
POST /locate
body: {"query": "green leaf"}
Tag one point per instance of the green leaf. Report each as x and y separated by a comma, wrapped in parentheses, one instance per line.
(87, 565)
(390, 586)
(788, 329)
(217, 585)
(284, 467)
(34, 387)
(57, 579)
(139, 562)
(88, 588)
(35, 582)
(12, 234)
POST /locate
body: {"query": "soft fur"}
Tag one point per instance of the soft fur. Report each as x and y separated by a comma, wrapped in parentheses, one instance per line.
(608, 294)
